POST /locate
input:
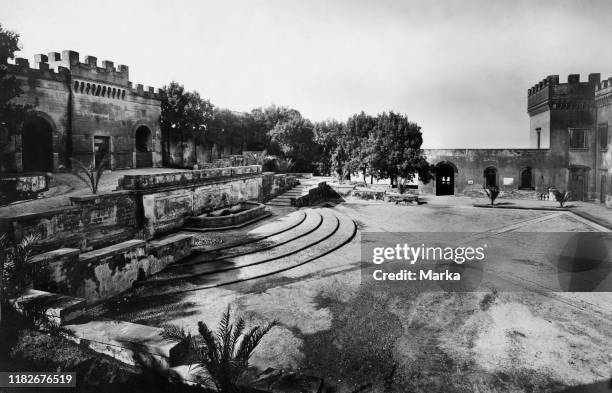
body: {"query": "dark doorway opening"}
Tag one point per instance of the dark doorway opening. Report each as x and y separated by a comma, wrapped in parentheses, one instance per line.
(490, 177)
(37, 145)
(102, 150)
(142, 142)
(526, 179)
(445, 179)
(603, 189)
(578, 183)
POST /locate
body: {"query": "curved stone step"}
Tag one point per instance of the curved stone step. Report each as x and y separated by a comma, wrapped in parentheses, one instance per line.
(275, 227)
(344, 233)
(326, 228)
(312, 221)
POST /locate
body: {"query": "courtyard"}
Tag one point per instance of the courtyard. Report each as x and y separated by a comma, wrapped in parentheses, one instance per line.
(356, 336)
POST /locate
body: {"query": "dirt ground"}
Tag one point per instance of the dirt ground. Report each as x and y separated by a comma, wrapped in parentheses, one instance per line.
(364, 338)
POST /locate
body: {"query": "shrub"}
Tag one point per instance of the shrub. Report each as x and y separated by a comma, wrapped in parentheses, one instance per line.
(492, 192)
(89, 174)
(14, 272)
(561, 196)
(224, 354)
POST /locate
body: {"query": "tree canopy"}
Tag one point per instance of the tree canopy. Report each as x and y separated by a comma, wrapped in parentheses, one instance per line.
(12, 114)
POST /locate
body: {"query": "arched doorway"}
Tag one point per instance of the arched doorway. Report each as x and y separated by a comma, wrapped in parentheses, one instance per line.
(490, 177)
(37, 145)
(142, 145)
(445, 179)
(526, 179)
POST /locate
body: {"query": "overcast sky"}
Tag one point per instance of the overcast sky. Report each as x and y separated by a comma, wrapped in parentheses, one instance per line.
(460, 69)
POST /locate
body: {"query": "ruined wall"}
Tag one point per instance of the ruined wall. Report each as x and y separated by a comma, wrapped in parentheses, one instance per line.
(548, 169)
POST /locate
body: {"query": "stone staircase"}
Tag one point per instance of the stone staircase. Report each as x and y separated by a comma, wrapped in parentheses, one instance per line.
(285, 198)
(288, 242)
(269, 251)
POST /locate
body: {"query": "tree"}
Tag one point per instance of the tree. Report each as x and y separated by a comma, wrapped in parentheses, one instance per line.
(358, 137)
(184, 114)
(326, 135)
(12, 115)
(400, 144)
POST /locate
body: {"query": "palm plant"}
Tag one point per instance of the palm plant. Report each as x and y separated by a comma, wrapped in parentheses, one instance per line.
(284, 165)
(224, 354)
(89, 174)
(492, 192)
(561, 196)
(14, 272)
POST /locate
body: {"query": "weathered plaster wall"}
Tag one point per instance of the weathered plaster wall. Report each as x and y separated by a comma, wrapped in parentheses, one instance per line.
(548, 169)
(48, 93)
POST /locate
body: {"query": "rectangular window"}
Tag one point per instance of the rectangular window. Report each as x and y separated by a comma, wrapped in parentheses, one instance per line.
(577, 138)
(603, 136)
(539, 132)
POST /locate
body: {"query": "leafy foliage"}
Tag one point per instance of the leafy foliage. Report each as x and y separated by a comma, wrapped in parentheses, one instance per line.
(561, 196)
(492, 192)
(184, 114)
(14, 271)
(12, 114)
(89, 174)
(225, 353)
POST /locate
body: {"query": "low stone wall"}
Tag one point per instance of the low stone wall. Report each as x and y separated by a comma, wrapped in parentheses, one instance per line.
(185, 178)
(276, 184)
(20, 187)
(106, 272)
(315, 195)
(91, 222)
(166, 211)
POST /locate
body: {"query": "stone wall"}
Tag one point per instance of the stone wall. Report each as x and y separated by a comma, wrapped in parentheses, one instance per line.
(103, 273)
(91, 222)
(165, 211)
(18, 187)
(85, 108)
(548, 169)
(169, 198)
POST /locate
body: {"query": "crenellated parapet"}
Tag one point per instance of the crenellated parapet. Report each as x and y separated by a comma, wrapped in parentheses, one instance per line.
(86, 77)
(603, 93)
(573, 95)
(22, 67)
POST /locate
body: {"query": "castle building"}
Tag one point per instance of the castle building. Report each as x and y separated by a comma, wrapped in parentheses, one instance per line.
(83, 111)
(569, 148)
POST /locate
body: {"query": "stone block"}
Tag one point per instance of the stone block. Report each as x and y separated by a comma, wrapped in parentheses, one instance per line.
(50, 270)
(128, 342)
(58, 309)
